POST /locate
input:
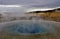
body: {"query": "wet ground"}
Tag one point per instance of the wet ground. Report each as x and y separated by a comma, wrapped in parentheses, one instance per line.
(7, 31)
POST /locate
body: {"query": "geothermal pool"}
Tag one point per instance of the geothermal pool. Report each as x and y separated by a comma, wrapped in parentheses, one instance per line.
(27, 27)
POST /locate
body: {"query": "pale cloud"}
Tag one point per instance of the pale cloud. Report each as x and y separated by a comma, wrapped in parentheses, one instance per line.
(10, 6)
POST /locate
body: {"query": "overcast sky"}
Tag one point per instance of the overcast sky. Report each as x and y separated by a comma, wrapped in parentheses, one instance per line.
(31, 2)
(27, 3)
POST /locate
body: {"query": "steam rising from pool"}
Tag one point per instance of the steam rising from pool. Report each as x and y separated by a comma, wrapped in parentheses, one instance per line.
(28, 27)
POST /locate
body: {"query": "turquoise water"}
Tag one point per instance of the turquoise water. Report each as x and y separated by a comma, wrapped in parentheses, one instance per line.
(27, 28)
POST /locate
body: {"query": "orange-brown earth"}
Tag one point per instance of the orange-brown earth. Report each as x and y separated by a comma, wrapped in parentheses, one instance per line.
(54, 16)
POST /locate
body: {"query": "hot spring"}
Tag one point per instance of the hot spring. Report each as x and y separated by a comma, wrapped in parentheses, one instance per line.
(27, 27)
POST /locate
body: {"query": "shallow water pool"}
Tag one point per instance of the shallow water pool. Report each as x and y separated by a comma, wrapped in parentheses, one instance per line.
(28, 27)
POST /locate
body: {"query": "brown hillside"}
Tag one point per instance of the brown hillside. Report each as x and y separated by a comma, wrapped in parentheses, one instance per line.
(55, 16)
